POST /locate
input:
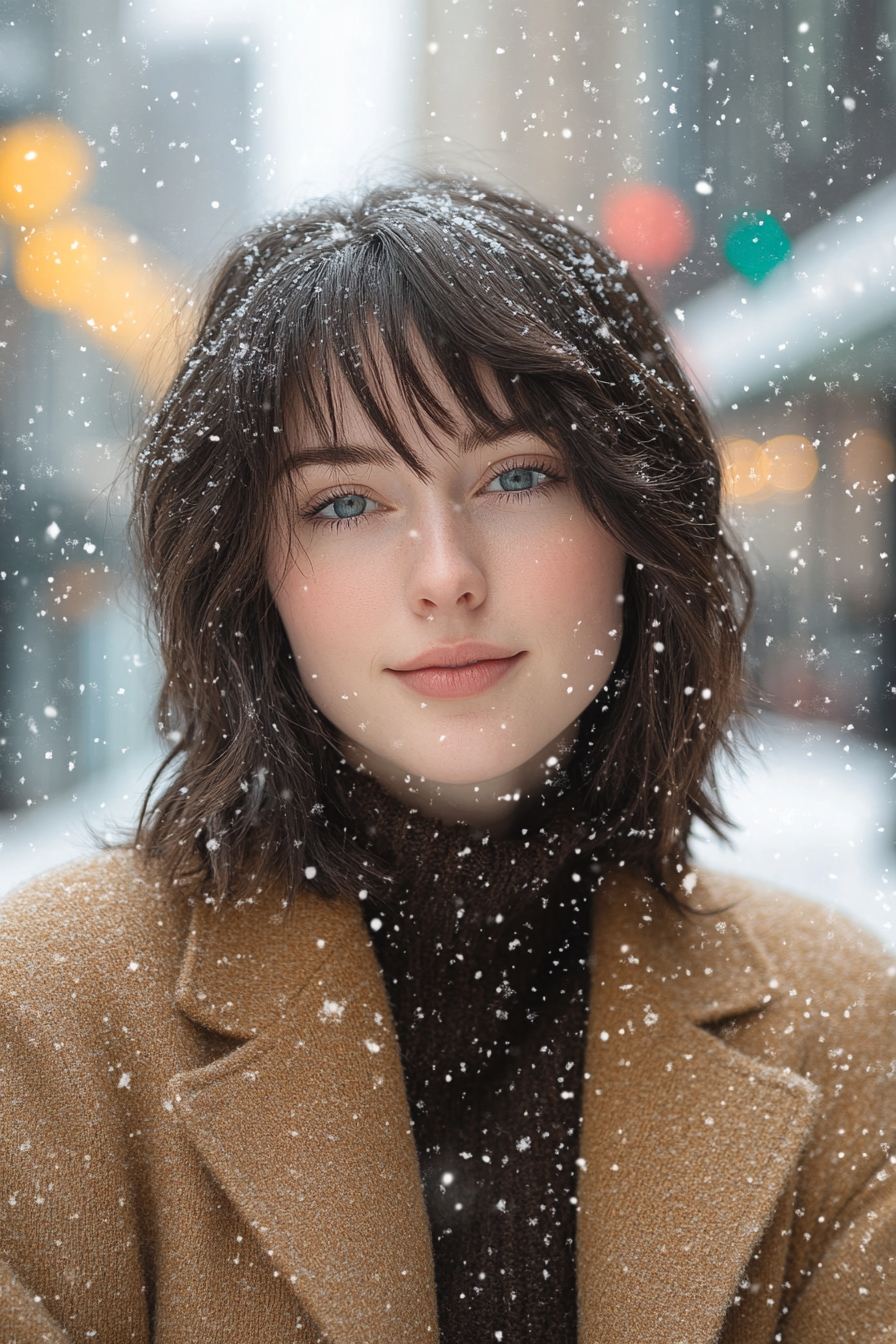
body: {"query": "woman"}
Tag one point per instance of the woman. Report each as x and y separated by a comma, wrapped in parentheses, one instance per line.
(406, 1016)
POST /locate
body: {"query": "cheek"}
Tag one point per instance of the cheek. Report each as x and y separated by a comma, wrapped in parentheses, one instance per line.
(570, 586)
(329, 618)
(602, 586)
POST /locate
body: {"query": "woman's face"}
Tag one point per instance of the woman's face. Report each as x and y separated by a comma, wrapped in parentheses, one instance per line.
(452, 628)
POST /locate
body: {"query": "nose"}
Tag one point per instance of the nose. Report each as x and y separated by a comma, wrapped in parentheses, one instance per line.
(444, 574)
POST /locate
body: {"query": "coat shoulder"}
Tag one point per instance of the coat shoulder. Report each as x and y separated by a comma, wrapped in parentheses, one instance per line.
(805, 942)
(829, 1007)
(102, 919)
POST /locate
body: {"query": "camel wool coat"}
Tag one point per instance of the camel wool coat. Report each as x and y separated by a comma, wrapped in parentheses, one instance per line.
(205, 1133)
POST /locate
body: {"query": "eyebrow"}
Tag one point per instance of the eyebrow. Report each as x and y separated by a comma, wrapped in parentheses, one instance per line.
(339, 455)
(357, 455)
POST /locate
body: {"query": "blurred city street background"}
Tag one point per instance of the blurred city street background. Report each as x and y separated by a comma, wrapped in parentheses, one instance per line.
(740, 157)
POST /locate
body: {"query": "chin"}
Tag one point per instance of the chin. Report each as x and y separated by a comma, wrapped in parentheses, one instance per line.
(473, 763)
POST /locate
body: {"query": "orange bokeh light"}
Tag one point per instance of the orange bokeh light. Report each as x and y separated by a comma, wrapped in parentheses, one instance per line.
(741, 475)
(868, 459)
(647, 225)
(790, 462)
(752, 470)
(43, 163)
(78, 261)
(58, 264)
(84, 266)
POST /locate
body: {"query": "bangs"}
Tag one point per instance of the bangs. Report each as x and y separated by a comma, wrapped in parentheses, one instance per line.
(368, 337)
(395, 377)
(420, 305)
(454, 312)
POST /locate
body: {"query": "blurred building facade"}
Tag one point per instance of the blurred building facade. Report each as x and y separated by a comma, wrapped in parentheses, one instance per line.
(195, 117)
(745, 110)
(165, 179)
(791, 109)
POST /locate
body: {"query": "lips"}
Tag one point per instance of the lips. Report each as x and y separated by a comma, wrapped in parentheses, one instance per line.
(456, 655)
(457, 671)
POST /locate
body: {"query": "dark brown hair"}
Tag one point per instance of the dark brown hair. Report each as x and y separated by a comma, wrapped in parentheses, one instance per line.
(449, 275)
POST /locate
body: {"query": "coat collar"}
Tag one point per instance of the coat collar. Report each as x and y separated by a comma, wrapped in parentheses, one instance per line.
(686, 1143)
(244, 961)
(306, 1124)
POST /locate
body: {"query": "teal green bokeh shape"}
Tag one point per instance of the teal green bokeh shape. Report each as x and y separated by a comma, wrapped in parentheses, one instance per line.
(755, 246)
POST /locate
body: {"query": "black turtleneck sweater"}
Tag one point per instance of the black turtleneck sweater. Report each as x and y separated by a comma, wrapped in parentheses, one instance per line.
(484, 948)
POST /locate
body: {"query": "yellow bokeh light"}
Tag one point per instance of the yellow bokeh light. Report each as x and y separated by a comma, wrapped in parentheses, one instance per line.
(741, 473)
(790, 462)
(58, 264)
(86, 267)
(868, 459)
(43, 163)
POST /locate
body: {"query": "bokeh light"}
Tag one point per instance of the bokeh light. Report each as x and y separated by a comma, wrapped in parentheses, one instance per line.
(752, 470)
(57, 265)
(647, 225)
(741, 476)
(84, 265)
(43, 164)
(755, 245)
(868, 459)
(790, 463)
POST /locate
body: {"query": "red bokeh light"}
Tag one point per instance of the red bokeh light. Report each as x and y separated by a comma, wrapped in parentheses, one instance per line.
(647, 225)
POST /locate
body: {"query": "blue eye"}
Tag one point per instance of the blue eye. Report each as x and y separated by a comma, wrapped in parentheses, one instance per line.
(346, 506)
(517, 479)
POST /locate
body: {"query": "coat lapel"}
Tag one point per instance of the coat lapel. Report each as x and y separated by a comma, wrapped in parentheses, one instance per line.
(686, 1143)
(306, 1124)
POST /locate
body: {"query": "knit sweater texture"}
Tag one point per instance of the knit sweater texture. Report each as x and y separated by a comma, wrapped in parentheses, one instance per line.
(484, 948)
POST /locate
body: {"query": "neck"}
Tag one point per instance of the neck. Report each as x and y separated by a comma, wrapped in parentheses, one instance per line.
(493, 805)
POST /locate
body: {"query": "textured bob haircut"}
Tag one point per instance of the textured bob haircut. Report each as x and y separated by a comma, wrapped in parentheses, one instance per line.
(317, 306)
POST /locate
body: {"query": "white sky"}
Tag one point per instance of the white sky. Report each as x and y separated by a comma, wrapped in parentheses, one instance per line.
(338, 95)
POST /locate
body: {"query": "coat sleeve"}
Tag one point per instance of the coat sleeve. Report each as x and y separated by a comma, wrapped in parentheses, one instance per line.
(834, 1239)
(851, 1294)
(23, 1317)
(69, 1245)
